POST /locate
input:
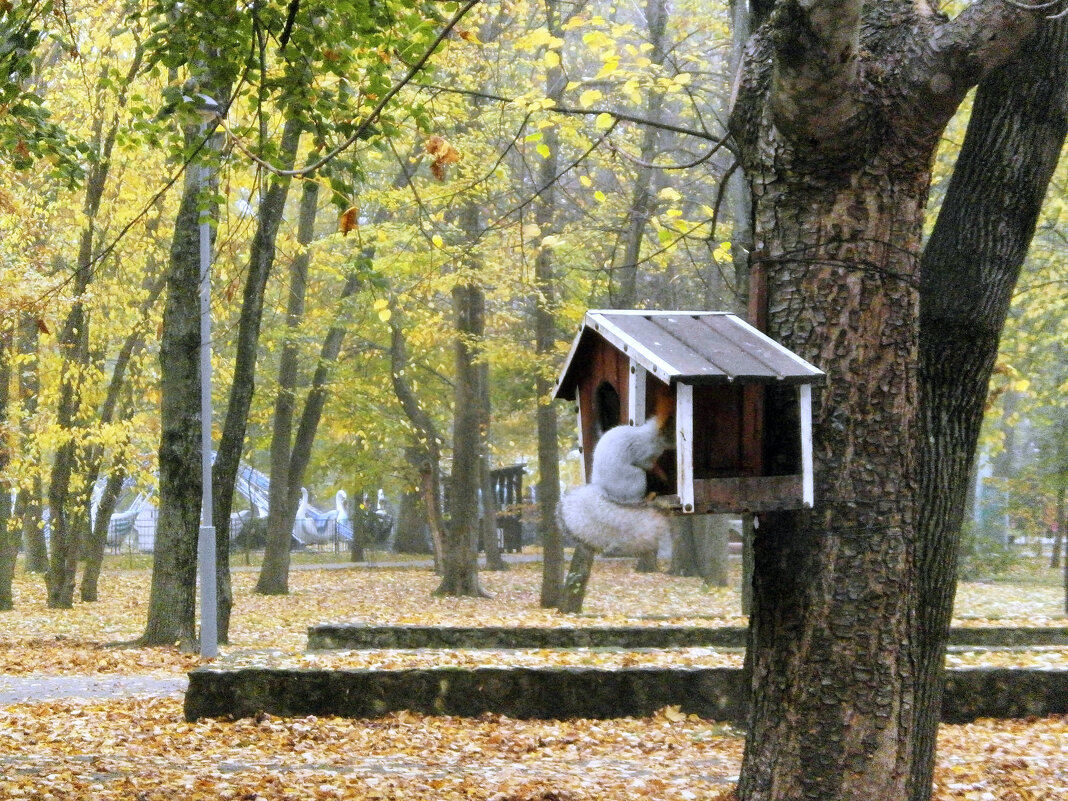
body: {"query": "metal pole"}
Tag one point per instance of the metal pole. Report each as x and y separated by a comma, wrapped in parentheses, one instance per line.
(209, 630)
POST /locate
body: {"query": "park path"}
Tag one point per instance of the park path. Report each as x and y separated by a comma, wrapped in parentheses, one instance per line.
(37, 688)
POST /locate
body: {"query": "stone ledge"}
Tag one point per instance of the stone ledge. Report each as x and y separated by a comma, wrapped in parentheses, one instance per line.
(356, 636)
(560, 693)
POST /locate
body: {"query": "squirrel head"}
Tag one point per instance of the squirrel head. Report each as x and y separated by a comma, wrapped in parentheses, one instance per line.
(664, 412)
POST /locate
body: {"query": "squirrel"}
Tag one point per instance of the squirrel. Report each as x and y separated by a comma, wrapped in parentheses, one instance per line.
(625, 455)
(609, 511)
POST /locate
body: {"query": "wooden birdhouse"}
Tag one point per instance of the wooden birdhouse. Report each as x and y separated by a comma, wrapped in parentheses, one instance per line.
(715, 368)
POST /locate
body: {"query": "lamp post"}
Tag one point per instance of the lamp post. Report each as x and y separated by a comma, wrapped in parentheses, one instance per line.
(208, 110)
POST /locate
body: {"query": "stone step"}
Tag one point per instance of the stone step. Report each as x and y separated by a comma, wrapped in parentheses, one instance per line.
(356, 636)
(566, 692)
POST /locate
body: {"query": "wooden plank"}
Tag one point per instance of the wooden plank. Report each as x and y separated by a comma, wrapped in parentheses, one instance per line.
(760, 494)
(684, 433)
(717, 431)
(637, 408)
(760, 357)
(718, 341)
(648, 334)
(805, 399)
(753, 430)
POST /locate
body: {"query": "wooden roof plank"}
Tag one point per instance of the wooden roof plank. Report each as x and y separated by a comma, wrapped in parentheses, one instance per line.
(650, 333)
(693, 346)
(715, 339)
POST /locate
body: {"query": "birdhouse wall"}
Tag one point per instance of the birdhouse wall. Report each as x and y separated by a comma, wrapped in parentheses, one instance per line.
(727, 429)
(602, 394)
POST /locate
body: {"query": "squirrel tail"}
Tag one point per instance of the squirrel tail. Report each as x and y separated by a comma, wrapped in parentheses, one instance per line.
(591, 517)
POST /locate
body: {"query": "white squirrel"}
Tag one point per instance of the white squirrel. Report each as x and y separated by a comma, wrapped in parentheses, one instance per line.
(609, 511)
(624, 457)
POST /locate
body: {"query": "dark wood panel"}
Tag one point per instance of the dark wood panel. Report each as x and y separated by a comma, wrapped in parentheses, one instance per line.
(760, 494)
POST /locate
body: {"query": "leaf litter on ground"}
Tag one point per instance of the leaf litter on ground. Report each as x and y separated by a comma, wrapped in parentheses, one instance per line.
(141, 748)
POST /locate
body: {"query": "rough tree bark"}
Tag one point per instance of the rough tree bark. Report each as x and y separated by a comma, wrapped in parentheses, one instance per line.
(172, 597)
(837, 115)
(968, 271)
(459, 556)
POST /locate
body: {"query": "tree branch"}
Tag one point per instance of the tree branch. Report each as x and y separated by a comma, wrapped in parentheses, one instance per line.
(983, 37)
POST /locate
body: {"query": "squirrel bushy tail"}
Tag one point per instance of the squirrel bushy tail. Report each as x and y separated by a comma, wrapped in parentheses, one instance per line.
(609, 510)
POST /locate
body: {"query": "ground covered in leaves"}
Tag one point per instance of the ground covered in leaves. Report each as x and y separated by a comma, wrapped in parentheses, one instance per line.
(140, 748)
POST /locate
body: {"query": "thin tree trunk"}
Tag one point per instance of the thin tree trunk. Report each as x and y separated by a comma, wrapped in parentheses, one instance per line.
(282, 504)
(548, 486)
(494, 560)
(232, 442)
(97, 538)
(578, 577)
(28, 503)
(9, 539)
(968, 271)
(429, 459)
(275, 581)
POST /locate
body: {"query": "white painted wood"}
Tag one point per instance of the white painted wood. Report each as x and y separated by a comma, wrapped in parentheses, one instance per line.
(805, 366)
(622, 342)
(807, 478)
(684, 444)
(582, 445)
(636, 406)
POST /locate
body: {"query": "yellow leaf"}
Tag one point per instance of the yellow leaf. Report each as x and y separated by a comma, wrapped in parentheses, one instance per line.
(590, 96)
(609, 67)
(552, 59)
(603, 121)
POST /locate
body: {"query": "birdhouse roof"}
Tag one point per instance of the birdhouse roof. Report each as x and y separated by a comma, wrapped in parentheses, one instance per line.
(692, 347)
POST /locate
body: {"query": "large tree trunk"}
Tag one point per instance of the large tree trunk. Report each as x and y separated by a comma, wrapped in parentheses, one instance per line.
(459, 557)
(411, 534)
(968, 272)
(232, 441)
(172, 598)
(839, 165)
